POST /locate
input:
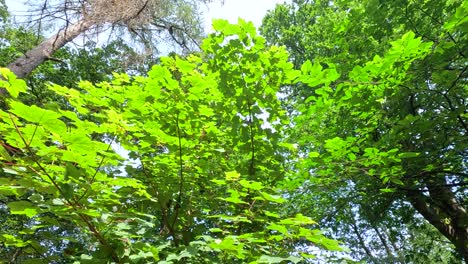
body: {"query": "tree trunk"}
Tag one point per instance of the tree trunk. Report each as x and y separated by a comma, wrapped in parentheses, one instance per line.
(33, 58)
(452, 225)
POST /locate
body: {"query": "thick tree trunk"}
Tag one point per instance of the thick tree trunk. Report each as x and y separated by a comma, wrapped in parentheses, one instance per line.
(448, 217)
(33, 58)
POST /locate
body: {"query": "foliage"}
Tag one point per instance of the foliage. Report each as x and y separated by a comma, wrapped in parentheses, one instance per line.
(148, 22)
(191, 164)
(181, 166)
(70, 65)
(381, 121)
(3, 12)
(15, 41)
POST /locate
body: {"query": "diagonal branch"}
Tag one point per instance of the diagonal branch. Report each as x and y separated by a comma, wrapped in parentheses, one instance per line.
(24, 65)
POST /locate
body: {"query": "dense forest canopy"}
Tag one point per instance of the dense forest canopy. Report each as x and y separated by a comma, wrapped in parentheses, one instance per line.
(386, 140)
(337, 135)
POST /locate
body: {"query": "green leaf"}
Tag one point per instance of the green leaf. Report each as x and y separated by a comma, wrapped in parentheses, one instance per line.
(271, 214)
(314, 154)
(10, 240)
(234, 198)
(406, 155)
(232, 175)
(273, 198)
(271, 259)
(388, 190)
(39, 116)
(23, 208)
(13, 85)
(86, 257)
(10, 171)
(251, 185)
(277, 227)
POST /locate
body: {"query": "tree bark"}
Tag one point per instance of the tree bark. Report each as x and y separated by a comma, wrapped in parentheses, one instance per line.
(33, 58)
(453, 226)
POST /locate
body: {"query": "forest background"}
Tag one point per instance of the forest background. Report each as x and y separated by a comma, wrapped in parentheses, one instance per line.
(337, 134)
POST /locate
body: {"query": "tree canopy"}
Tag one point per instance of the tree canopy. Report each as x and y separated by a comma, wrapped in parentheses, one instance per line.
(383, 122)
(199, 182)
(346, 144)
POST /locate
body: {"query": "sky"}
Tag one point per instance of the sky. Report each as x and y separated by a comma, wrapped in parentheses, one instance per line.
(250, 10)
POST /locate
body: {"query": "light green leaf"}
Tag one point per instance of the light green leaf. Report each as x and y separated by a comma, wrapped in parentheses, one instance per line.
(272, 198)
(232, 175)
(270, 259)
(251, 185)
(10, 171)
(13, 85)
